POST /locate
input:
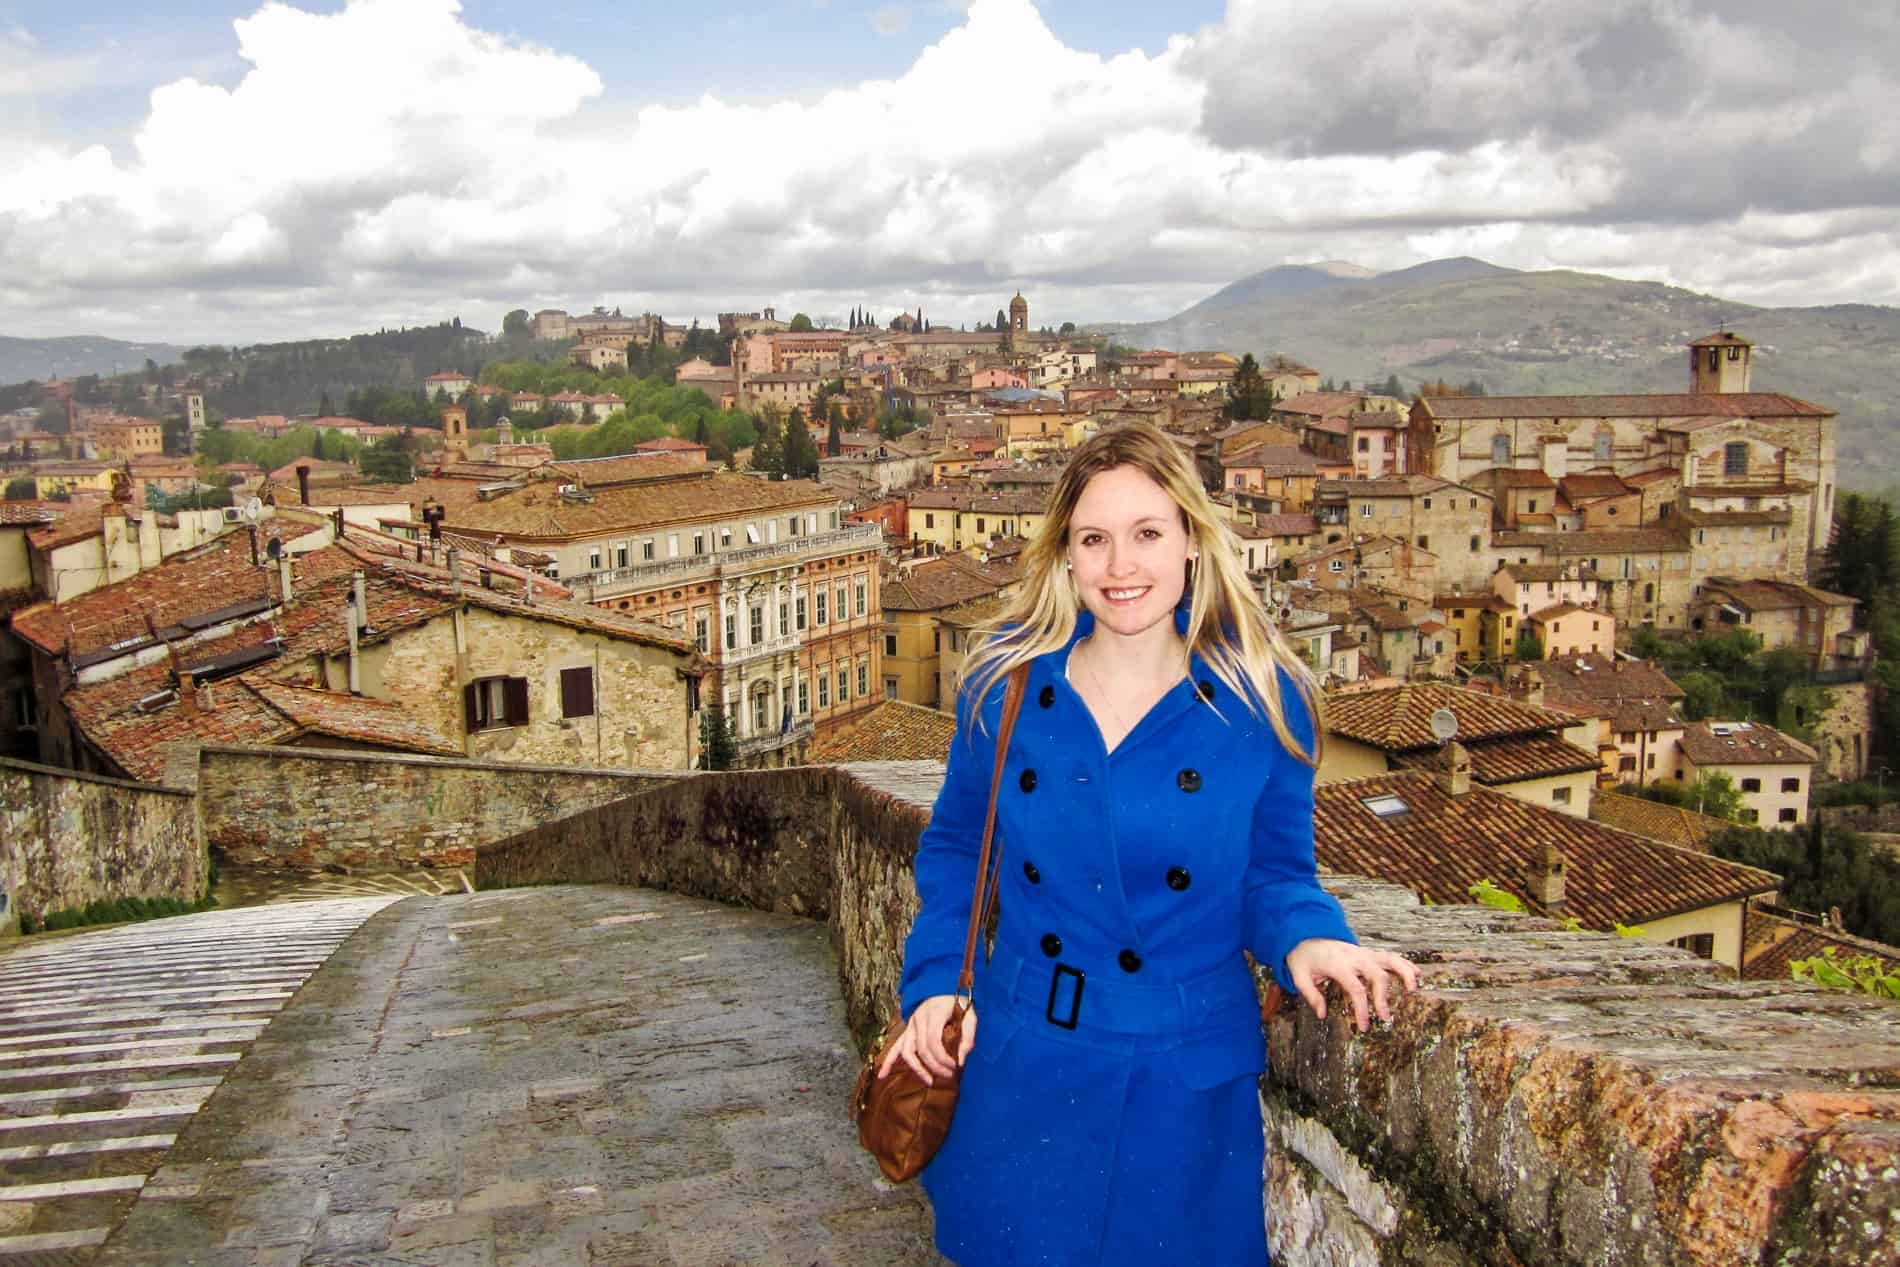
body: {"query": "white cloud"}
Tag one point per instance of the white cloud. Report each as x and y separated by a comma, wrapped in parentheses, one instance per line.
(447, 170)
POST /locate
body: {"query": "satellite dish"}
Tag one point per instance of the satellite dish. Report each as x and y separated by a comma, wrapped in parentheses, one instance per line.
(1444, 724)
(253, 510)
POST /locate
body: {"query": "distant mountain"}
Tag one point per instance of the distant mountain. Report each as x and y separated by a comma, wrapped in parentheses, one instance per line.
(22, 359)
(1525, 333)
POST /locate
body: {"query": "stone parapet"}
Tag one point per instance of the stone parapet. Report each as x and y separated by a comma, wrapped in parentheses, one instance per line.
(372, 812)
(1549, 1098)
(69, 839)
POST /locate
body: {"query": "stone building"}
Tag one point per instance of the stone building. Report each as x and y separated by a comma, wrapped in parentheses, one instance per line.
(914, 640)
(1812, 621)
(1721, 440)
(763, 577)
(1450, 522)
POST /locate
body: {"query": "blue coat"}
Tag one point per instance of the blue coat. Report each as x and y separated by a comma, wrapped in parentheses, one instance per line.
(1109, 1112)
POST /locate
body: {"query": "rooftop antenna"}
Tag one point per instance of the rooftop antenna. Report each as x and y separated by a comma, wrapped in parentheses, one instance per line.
(1444, 724)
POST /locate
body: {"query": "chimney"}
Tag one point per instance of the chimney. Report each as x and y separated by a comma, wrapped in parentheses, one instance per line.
(303, 484)
(454, 561)
(1544, 880)
(283, 577)
(188, 692)
(362, 600)
(349, 623)
(1454, 771)
(1534, 688)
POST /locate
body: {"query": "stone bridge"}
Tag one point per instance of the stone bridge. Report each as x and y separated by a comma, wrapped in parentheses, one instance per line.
(572, 1066)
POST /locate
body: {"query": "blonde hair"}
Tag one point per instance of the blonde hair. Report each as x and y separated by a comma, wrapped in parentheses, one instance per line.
(1226, 624)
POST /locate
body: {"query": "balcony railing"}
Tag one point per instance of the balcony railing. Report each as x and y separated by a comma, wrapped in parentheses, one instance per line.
(776, 645)
(756, 745)
(642, 575)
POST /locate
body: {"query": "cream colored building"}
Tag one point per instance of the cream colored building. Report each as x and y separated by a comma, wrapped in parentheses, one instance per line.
(1774, 772)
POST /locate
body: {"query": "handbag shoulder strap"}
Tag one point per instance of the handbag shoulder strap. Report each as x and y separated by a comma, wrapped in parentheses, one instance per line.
(989, 861)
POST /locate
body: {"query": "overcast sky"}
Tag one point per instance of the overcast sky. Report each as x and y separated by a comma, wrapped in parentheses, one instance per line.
(233, 173)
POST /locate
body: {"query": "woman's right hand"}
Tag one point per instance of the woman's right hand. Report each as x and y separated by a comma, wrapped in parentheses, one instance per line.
(921, 1044)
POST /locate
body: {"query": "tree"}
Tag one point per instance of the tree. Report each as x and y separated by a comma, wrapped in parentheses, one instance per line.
(1703, 695)
(1529, 647)
(1392, 388)
(800, 454)
(1646, 642)
(834, 435)
(1714, 793)
(800, 322)
(324, 408)
(718, 746)
(22, 489)
(768, 454)
(387, 464)
(1068, 328)
(1248, 394)
(1822, 869)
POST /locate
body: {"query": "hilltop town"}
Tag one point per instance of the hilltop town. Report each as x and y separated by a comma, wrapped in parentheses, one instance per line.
(780, 552)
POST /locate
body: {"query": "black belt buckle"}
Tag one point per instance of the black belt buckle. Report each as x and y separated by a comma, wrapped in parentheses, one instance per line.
(1075, 1000)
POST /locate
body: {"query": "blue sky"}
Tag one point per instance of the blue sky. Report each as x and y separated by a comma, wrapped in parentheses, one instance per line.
(246, 171)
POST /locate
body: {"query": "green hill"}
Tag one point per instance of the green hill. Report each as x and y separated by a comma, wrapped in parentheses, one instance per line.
(70, 357)
(1524, 333)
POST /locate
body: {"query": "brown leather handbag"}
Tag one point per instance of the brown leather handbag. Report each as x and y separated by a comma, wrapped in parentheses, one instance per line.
(901, 1120)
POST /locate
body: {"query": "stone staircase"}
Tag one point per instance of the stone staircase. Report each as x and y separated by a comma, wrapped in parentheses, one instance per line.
(110, 1041)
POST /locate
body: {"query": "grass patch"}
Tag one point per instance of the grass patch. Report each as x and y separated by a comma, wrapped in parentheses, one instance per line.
(123, 910)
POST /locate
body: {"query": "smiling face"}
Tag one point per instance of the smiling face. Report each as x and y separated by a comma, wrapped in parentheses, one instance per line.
(1129, 547)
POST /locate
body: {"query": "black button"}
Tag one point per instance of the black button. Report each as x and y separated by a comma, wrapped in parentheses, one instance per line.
(1046, 697)
(1179, 879)
(1129, 960)
(1028, 782)
(1206, 688)
(1051, 945)
(1031, 874)
(1188, 780)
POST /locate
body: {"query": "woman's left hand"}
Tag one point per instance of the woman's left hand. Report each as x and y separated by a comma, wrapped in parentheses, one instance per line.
(1354, 969)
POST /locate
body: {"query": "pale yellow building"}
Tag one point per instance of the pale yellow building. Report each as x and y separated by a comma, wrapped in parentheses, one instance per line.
(1773, 771)
(914, 640)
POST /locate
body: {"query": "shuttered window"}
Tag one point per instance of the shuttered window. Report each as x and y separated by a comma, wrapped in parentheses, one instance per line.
(577, 692)
(492, 702)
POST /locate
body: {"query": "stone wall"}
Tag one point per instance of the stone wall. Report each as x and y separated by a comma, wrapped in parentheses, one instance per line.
(67, 840)
(364, 812)
(1549, 1098)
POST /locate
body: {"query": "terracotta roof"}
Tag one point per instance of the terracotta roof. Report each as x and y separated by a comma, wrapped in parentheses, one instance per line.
(108, 715)
(669, 444)
(1616, 541)
(538, 510)
(934, 586)
(1744, 743)
(1722, 405)
(1442, 845)
(185, 591)
(1466, 602)
(1273, 459)
(1512, 477)
(320, 469)
(1287, 525)
(1671, 824)
(1375, 420)
(1557, 611)
(353, 717)
(1721, 339)
(1321, 404)
(76, 521)
(33, 512)
(1397, 719)
(1390, 486)
(1548, 572)
(1776, 942)
(1513, 760)
(1579, 487)
(1734, 518)
(892, 731)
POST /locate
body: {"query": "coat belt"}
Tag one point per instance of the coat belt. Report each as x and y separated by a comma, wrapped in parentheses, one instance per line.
(1107, 1001)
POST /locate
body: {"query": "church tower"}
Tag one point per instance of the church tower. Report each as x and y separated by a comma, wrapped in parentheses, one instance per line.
(455, 434)
(1719, 363)
(1018, 323)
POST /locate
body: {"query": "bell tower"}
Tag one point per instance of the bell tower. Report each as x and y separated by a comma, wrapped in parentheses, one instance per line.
(1719, 363)
(455, 433)
(1018, 323)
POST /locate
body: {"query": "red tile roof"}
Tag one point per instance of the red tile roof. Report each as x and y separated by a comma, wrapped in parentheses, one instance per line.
(1514, 760)
(1444, 844)
(1397, 719)
(1743, 743)
(1775, 943)
(892, 731)
(1662, 405)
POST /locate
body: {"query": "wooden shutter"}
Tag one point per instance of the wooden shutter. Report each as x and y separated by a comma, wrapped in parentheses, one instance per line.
(515, 700)
(577, 692)
(471, 709)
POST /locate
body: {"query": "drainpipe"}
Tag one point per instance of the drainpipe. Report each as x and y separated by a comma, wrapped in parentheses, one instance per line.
(283, 575)
(352, 617)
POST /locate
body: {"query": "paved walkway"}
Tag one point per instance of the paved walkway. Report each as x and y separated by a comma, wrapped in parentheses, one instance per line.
(110, 1041)
(560, 1076)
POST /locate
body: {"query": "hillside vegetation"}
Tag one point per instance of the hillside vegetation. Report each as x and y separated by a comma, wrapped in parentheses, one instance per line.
(1524, 333)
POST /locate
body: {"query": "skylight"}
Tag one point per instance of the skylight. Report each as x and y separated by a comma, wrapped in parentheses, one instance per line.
(1386, 806)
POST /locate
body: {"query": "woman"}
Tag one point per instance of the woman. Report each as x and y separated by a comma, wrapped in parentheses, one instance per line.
(1156, 815)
